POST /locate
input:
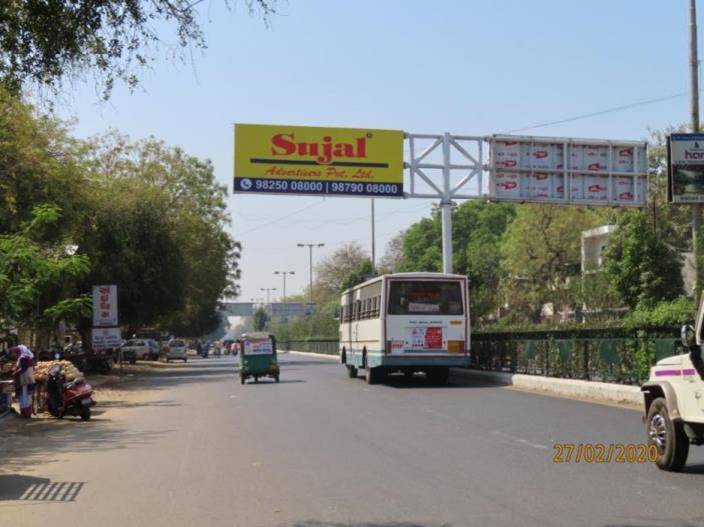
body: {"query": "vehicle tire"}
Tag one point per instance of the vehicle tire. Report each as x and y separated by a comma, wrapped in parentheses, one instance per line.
(371, 375)
(276, 377)
(241, 379)
(185, 361)
(85, 413)
(668, 436)
(133, 361)
(351, 372)
(439, 375)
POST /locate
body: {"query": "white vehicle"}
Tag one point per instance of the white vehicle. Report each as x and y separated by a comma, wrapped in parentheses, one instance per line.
(141, 349)
(176, 349)
(405, 322)
(674, 400)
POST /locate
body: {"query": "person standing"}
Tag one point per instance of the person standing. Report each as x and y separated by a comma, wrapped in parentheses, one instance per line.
(24, 379)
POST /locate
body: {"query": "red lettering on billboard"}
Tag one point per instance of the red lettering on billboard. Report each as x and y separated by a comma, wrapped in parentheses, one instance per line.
(324, 152)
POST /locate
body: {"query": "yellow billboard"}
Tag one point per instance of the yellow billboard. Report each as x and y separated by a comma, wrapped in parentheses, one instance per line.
(310, 160)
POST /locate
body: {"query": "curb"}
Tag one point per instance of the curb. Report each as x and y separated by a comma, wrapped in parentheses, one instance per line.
(600, 392)
(574, 388)
(320, 355)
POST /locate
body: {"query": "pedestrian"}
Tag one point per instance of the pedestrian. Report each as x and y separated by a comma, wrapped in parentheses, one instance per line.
(24, 379)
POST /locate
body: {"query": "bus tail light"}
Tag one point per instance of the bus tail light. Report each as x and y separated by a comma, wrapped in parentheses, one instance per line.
(455, 346)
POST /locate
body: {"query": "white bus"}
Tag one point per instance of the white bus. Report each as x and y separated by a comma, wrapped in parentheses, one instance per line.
(405, 322)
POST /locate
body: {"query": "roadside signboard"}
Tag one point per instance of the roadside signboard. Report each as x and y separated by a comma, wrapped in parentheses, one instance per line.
(279, 159)
(685, 153)
(566, 170)
(104, 305)
(291, 309)
(106, 338)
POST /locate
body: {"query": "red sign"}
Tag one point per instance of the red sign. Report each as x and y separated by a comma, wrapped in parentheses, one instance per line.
(433, 338)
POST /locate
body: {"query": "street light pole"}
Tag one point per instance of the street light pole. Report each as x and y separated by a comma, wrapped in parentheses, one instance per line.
(373, 241)
(694, 116)
(310, 263)
(268, 290)
(284, 273)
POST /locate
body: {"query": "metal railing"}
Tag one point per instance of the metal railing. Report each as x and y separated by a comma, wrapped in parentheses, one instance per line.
(607, 355)
(324, 346)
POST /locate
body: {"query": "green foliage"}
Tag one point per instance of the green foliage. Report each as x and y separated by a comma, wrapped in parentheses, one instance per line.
(540, 257)
(321, 324)
(131, 244)
(662, 314)
(641, 266)
(261, 317)
(149, 218)
(478, 228)
(43, 42)
(361, 273)
(36, 277)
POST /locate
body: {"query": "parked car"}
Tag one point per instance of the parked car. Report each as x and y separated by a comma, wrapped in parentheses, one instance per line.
(140, 349)
(176, 349)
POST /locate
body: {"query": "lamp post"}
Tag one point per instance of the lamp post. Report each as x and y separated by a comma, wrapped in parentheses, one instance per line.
(310, 263)
(268, 290)
(284, 273)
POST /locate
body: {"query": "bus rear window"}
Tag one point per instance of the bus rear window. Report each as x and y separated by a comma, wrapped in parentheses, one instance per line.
(425, 297)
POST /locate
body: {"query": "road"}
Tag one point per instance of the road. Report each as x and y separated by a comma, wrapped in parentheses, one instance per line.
(322, 450)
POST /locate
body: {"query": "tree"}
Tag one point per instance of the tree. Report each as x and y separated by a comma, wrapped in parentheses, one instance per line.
(334, 270)
(193, 203)
(261, 317)
(361, 273)
(38, 166)
(42, 43)
(392, 260)
(130, 241)
(37, 278)
(477, 229)
(641, 266)
(540, 257)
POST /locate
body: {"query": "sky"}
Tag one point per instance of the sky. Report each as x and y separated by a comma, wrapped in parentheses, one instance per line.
(471, 67)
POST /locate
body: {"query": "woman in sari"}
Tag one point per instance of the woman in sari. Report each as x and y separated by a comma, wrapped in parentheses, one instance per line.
(24, 379)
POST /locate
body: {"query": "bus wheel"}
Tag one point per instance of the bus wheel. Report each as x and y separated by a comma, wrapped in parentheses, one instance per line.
(371, 375)
(351, 372)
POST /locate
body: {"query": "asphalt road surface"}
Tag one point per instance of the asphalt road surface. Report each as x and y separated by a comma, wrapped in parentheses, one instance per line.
(322, 450)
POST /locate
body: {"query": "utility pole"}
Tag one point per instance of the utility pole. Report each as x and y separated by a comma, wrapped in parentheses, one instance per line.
(284, 273)
(446, 208)
(373, 241)
(310, 263)
(694, 116)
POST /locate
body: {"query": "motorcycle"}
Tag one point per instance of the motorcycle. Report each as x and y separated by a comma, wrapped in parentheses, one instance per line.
(68, 398)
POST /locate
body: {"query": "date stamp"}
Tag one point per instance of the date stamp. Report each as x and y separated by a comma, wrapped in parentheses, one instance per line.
(604, 453)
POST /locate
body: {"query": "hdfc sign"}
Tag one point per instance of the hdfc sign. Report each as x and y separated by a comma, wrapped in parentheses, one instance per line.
(686, 168)
(309, 160)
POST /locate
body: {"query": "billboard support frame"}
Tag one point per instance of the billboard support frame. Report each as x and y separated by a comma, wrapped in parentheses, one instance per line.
(447, 146)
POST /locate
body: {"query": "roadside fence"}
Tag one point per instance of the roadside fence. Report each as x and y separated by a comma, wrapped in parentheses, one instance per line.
(607, 355)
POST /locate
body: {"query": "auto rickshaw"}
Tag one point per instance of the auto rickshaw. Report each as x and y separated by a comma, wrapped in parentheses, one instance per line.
(257, 353)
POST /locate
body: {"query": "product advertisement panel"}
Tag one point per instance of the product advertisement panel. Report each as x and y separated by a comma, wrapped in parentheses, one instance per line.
(686, 168)
(279, 159)
(566, 170)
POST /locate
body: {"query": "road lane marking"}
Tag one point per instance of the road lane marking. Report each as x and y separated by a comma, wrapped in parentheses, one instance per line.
(520, 440)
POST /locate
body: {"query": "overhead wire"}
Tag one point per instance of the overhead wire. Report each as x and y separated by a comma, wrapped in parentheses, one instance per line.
(600, 112)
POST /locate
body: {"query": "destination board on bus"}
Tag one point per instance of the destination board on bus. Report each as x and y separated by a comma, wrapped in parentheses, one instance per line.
(281, 159)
